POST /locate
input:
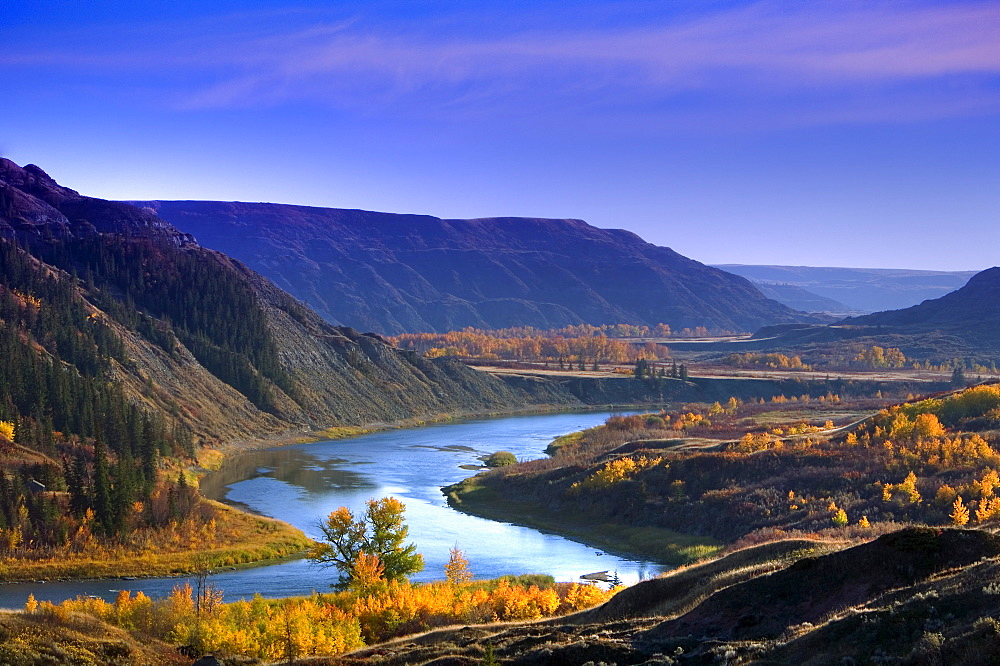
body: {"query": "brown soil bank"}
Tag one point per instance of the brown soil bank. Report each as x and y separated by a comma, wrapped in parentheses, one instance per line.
(916, 596)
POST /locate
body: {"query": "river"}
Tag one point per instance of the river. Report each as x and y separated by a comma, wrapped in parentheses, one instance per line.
(301, 484)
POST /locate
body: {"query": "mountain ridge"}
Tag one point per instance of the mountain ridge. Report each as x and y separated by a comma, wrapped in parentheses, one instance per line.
(860, 290)
(207, 342)
(395, 272)
(972, 311)
(964, 323)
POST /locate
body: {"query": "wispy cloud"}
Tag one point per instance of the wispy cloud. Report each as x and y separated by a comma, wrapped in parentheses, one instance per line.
(821, 61)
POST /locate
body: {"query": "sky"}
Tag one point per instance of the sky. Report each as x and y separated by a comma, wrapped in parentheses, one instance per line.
(821, 133)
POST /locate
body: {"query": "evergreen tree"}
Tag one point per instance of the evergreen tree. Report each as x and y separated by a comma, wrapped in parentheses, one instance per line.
(102, 489)
(77, 482)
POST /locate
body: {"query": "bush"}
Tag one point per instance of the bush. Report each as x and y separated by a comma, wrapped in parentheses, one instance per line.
(501, 459)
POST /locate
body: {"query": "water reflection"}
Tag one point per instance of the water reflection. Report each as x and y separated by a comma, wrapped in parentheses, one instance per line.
(294, 466)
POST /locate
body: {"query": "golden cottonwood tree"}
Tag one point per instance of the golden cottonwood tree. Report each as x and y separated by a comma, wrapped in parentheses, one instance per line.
(457, 570)
(379, 533)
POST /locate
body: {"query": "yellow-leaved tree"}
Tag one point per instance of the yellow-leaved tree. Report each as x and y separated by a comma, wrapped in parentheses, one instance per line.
(368, 573)
(960, 512)
(457, 570)
(379, 533)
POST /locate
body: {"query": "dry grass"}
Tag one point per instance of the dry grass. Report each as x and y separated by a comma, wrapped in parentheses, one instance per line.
(235, 538)
(917, 597)
(682, 589)
(83, 640)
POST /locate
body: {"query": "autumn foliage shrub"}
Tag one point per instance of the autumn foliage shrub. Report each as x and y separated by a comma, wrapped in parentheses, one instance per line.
(273, 629)
(907, 463)
(571, 344)
(752, 359)
(614, 472)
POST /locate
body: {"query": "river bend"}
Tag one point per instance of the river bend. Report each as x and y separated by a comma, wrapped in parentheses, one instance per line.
(300, 484)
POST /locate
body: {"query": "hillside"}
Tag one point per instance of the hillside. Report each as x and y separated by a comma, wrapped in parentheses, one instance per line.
(818, 570)
(801, 299)
(963, 325)
(128, 349)
(972, 312)
(199, 338)
(916, 596)
(414, 273)
(858, 289)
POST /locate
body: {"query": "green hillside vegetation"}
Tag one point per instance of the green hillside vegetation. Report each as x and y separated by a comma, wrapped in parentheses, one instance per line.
(110, 504)
(171, 296)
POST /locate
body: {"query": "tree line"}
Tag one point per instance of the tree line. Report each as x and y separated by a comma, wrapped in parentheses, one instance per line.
(169, 294)
(67, 425)
(531, 345)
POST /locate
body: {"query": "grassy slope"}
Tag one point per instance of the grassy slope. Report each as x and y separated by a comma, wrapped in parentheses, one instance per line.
(645, 478)
(503, 498)
(918, 596)
(82, 641)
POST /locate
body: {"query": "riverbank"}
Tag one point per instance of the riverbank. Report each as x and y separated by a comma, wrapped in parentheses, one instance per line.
(657, 544)
(210, 459)
(229, 538)
(245, 546)
(224, 537)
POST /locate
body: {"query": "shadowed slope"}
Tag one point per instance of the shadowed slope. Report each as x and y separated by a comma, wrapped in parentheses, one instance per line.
(770, 604)
(396, 273)
(209, 343)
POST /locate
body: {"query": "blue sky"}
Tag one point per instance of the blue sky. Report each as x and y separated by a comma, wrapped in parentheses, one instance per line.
(837, 132)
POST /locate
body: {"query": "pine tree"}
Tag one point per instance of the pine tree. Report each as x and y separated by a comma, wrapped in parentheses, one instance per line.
(102, 489)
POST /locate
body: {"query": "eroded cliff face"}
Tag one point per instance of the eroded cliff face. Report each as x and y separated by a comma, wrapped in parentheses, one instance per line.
(35, 207)
(414, 273)
(265, 365)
